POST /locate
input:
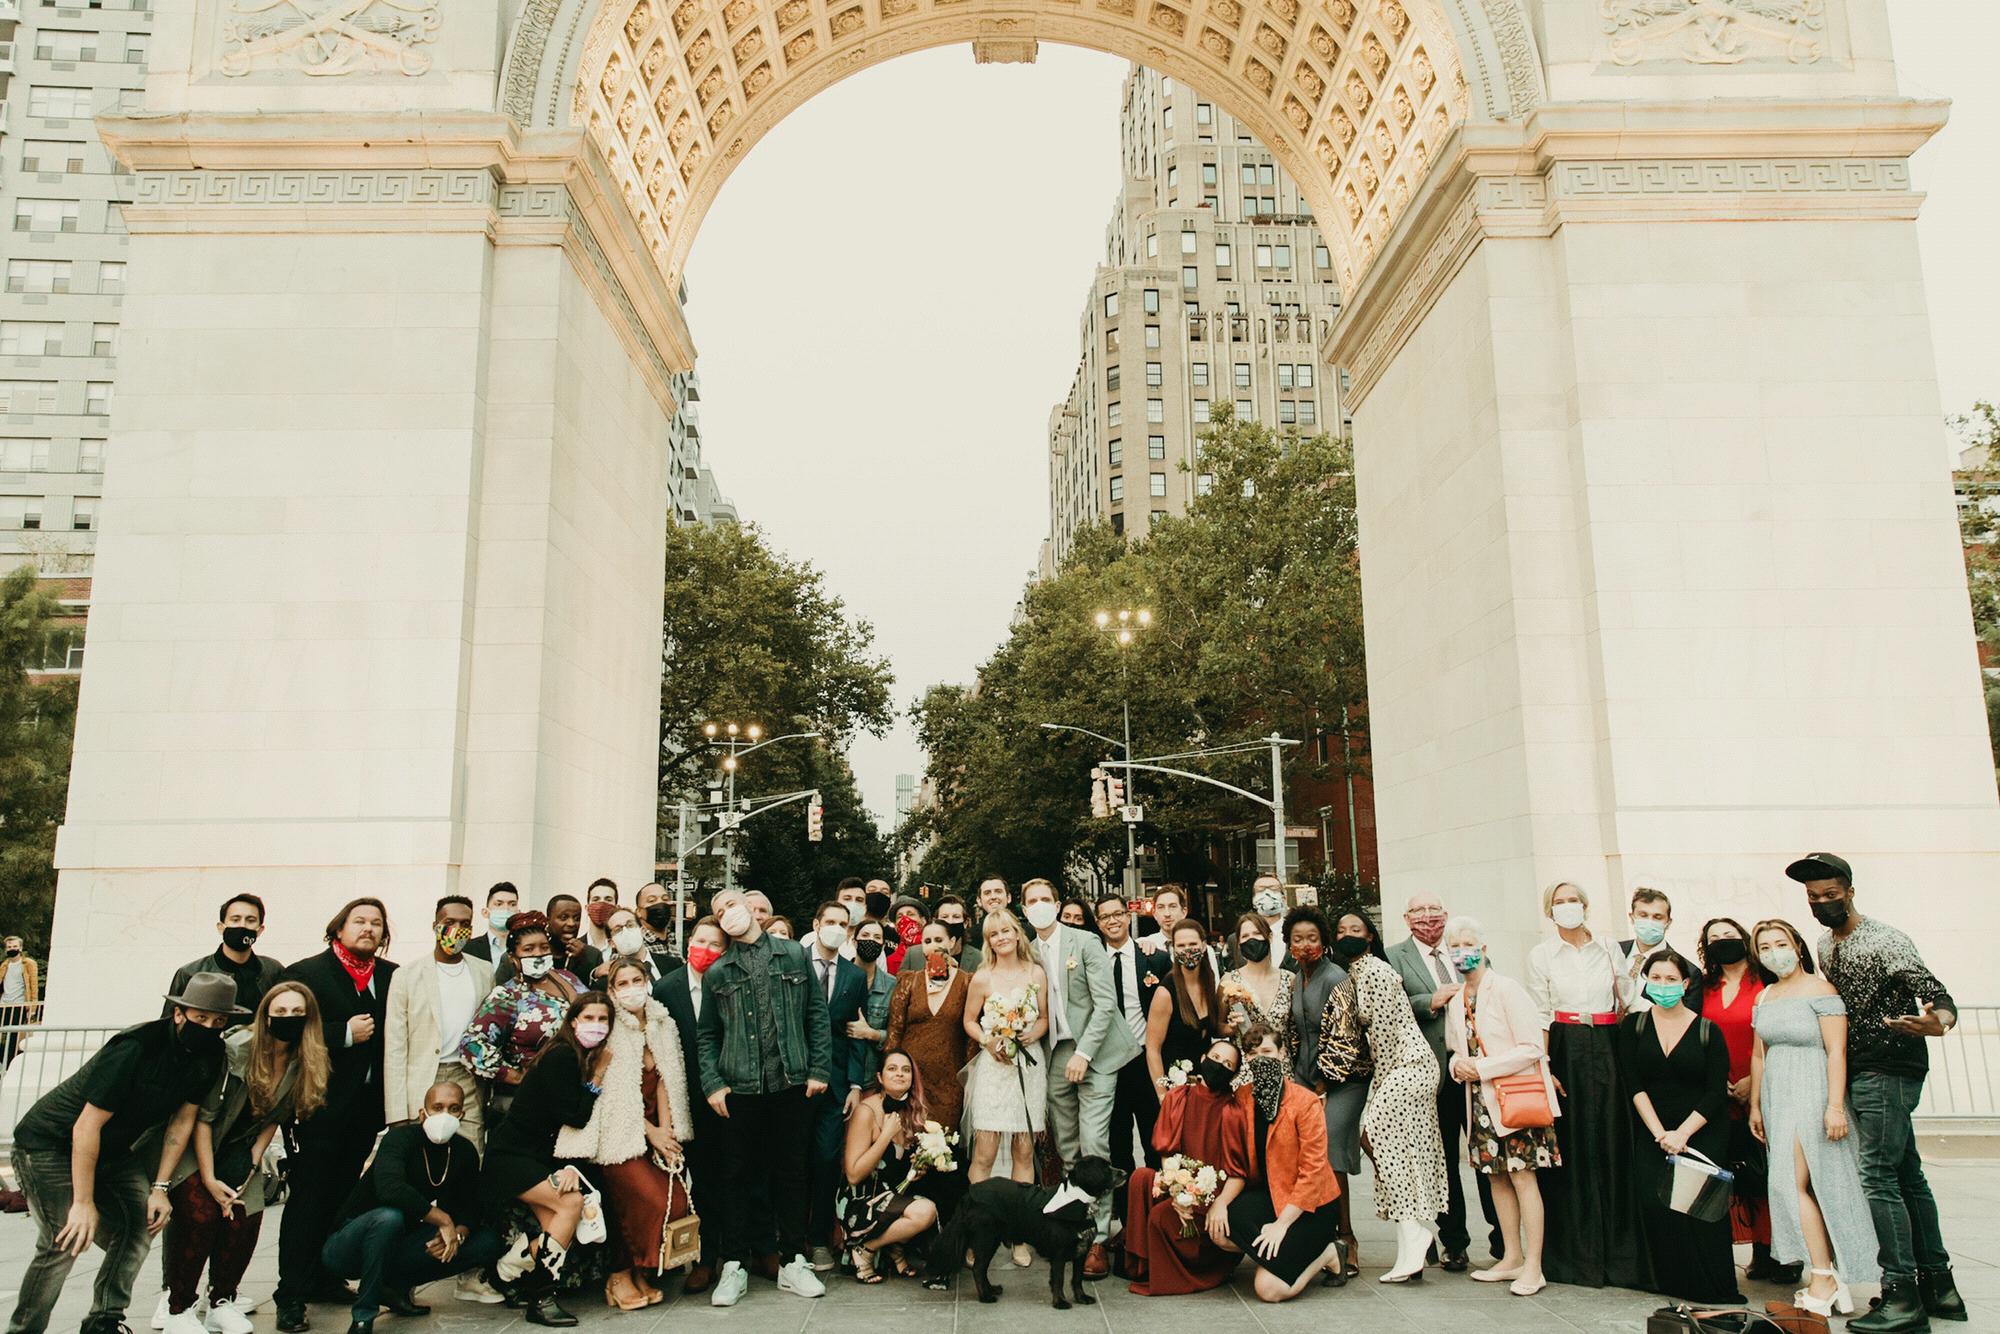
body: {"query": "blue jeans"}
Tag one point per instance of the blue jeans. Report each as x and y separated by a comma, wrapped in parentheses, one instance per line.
(121, 1234)
(380, 1247)
(1892, 1175)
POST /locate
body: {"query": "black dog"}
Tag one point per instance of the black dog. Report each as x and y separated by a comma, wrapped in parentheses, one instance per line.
(999, 1212)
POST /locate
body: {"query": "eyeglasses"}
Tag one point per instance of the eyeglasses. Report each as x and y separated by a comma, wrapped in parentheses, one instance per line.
(1112, 915)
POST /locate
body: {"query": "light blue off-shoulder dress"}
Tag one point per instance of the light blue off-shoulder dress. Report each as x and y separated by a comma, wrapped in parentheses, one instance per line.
(1793, 1099)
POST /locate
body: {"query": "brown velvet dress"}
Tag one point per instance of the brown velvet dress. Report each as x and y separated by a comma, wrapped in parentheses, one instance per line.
(936, 1040)
(637, 1195)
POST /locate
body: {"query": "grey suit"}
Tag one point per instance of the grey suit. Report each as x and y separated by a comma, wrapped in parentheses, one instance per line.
(1420, 982)
(1080, 1113)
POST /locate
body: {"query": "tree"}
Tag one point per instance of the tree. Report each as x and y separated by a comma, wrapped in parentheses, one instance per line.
(1257, 625)
(1979, 534)
(37, 728)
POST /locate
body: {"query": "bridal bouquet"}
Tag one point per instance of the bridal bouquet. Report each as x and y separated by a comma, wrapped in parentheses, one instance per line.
(932, 1153)
(1188, 1184)
(1008, 1020)
(1179, 1073)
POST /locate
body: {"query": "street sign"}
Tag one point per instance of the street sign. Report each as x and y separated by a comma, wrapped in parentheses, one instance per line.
(1132, 814)
(1301, 831)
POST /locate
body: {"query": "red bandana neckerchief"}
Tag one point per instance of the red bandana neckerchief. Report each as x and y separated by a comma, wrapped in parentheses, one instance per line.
(361, 970)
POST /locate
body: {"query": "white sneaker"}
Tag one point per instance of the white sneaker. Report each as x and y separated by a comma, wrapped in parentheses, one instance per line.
(159, 1320)
(729, 1285)
(798, 1277)
(228, 1318)
(471, 1288)
(187, 1322)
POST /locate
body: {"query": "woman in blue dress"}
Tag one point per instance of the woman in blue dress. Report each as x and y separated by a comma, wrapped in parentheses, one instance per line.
(1798, 1107)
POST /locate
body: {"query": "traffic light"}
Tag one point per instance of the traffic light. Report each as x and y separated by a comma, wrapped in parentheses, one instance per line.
(1114, 790)
(815, 817)
(1100, 808)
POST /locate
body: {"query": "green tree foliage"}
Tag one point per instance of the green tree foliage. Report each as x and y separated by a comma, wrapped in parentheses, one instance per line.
(1979, 531)
(1256, 603)
(37, 726)
(751, 636)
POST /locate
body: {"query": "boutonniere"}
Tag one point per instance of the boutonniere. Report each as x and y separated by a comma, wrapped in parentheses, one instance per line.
(1071, 965)
(1149, 980)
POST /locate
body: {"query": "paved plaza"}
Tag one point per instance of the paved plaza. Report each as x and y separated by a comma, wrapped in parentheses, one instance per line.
(1969, 1193)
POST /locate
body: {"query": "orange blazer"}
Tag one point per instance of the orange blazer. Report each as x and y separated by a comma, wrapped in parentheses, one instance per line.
(1295, 1167)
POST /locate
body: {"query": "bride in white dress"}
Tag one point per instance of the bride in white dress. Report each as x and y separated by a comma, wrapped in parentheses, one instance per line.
(1006, 1091)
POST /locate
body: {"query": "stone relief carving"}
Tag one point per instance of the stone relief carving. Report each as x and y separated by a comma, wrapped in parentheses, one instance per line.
(330, 37)
(290, 188)
(1714, 32)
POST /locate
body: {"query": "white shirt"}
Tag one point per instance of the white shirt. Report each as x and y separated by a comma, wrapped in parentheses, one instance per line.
(1583, 978)
(456, 1003)
(1125, 959)
(1049, 949)
(13, 981)
(694, 990)
(1437, 963)
(825, 970)
(1277, 941)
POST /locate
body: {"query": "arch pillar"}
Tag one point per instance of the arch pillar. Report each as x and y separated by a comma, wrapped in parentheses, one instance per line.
(1660, 556)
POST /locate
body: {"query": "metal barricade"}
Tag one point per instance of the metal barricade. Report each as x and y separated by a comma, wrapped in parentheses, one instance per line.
(37, 1057)
(1964, 1064)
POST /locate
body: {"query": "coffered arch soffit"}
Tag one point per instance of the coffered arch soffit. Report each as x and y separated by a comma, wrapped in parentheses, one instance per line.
(1355, 97)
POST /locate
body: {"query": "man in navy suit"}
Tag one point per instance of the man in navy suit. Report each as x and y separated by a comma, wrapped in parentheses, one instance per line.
(846, 989)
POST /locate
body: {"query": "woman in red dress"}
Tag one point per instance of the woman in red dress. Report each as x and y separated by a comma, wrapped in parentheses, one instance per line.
(1732, 980)
(1198, 1119)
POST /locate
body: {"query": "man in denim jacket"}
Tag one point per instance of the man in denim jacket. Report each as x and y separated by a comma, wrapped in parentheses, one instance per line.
(766, 1050)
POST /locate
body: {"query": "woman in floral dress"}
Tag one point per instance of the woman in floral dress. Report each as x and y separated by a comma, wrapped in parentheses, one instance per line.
(517, 1016)
(1258, 992)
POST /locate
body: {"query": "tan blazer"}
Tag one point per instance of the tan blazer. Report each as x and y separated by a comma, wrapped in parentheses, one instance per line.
(1510, 1036)
(412, 1045)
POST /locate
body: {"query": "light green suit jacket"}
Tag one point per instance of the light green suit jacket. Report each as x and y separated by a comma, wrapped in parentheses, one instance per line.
(1100, 1032)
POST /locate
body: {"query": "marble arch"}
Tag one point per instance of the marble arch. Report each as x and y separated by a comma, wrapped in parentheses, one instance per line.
(1355, 97)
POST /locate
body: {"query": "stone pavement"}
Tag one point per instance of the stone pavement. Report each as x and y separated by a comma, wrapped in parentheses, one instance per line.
(1969, 1193)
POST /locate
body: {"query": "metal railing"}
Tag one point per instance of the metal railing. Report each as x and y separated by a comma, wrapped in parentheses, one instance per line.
(35, 1058)
(1965, 1069)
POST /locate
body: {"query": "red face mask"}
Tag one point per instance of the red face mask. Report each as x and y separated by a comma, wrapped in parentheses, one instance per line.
(600, 912)
(936, 963)
(700, 957)
(910, 930)
(1308, 953)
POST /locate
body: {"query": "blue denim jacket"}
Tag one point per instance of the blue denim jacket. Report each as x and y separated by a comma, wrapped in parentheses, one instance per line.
(782, 1047)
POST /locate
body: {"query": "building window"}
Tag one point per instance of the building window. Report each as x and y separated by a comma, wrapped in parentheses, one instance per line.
(1284, 376)
(30, 338)
(1223, 256)
(20, 512)
(59, 103)
(1111, 305)
(1288, 412)
(90, 456)
(1321, 259)
(1157, 484)
(103, 340)
(1156, 447)
(1152, 299)
(1187, 243)
(1210, 203)
(1116, 450)
(97, 397)
(1154, 375)
(111, 277)
(1111, 377)
(1242, 375)
(1189, 278)
(1305, 375)
(38, 275)
(1167, 119)
(136, 46)
(1117, 490)
(1267, 174)
(1173, 177)
(1284, 257)
(1156, 410)
(24, 455)
(27, 396)
(1152, 335)
(1152, 245)
(1245, 411)
(1204, 483)
(1114, 412)
(1200, 373)
(51, 155)
(45, 215)
(1204, 114)
(1208, 173)
(83, 514)
(1263, 257)
(1308, 412)
(56, 44)
(1249, 173)
(1201, 410)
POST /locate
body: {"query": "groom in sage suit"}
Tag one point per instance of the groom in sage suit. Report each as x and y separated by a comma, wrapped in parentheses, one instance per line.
(1088, 1043)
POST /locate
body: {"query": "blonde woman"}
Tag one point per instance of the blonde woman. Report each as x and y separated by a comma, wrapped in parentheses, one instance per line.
(1006, 1089)
(275, 1069)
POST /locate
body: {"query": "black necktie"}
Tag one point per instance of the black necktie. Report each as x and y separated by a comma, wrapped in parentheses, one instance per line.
(826, 978)
(1118, 979)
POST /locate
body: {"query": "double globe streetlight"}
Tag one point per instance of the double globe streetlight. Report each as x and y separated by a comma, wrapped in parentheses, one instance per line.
(741, 739)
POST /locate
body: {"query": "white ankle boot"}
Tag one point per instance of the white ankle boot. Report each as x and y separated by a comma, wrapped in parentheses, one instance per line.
(1413, 1243)
(1840, 1301)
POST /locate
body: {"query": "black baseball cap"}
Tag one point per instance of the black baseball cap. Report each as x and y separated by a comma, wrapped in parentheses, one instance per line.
(1820, 866)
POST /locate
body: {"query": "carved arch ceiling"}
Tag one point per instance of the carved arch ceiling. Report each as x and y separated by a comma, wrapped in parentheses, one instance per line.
(1355, 97)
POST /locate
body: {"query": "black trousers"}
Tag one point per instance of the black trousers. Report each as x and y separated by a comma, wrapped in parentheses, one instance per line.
(1133, 1105)
(826, 1164)
(765, 1154)
(1452, 1232)
(318, 1179)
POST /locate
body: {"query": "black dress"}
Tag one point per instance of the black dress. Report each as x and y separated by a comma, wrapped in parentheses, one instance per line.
(1187, 1042)
(522, 1149)
(1691, 1260)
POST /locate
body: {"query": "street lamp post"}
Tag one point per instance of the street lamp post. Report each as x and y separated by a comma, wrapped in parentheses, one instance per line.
(1124, 626)
(741, 739)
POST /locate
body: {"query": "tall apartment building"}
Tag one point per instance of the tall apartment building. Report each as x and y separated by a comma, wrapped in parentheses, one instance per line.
(60, 66)
(1215, 286)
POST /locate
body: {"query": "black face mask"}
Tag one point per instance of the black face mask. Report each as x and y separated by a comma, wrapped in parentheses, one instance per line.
(1349, 947)
(198, 1042)
(13, 950)
(868, 951)
(878, 905)
(288, 1028)
(1254, 949)
(1832, 913)
(1727, 951)
(1216, 1075)
(239, 938)
(956, 930)
(660, 916)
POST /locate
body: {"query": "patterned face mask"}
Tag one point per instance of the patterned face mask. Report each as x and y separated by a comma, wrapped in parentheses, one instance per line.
(1267, 1084)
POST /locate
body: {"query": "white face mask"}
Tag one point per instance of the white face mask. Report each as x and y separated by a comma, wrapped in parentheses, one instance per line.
(439, 1127)
(1568, 916)
(537, 966)
(832, 937)
(1784, 962)
(632, 998)
(628, 940)
(736, 921)
(1041, 914)
(855, 912)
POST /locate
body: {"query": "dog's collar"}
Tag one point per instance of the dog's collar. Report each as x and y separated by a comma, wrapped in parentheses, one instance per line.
(1066, 1194)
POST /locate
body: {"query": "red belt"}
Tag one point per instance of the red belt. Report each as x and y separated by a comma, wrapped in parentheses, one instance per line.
(1579, 1017)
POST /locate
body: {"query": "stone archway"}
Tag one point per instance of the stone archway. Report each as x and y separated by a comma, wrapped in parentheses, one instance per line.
(1661, 572)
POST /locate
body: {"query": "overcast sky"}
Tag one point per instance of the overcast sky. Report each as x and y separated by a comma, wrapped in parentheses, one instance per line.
(886, 295)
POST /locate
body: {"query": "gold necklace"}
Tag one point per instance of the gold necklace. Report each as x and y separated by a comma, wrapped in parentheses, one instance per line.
(439, 1180)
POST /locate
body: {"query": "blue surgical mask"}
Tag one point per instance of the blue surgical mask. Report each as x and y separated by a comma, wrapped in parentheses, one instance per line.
(1648, 932)
(1467, 958)
(1666, 995)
